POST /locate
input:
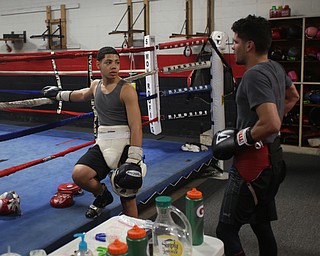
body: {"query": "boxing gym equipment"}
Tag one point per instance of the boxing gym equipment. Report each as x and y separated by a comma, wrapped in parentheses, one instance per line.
(311, 52)
(277, 54)
(293, 75)
(294, 53)
(315, 97)
(311, 32)
(62, 199)
(314, 114)
(294, 32)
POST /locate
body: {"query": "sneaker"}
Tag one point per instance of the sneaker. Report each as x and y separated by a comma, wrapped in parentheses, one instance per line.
(99, 203)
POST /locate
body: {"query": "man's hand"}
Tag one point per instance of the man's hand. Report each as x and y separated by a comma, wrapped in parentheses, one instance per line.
(227, 142)
(52, 91)
(135, 157)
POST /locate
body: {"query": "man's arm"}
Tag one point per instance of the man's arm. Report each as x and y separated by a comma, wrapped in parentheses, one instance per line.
(130, 99)
(291, 98)
(268, 121)
(80, 95)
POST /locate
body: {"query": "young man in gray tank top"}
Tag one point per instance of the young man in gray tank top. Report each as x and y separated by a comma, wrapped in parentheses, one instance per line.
(118, 148)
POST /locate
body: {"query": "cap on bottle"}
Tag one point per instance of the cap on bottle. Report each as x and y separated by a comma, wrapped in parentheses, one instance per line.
(136, 232)
(194, 194)
(83, 244)
(163, 201)
(273, 7)
(117, 247)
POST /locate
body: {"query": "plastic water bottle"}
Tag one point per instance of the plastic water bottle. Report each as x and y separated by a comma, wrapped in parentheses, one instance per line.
(169, 237)
(194, 213)
(117, 248)
(137, 241)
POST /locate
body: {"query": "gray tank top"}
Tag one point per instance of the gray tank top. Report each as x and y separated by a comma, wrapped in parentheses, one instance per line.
(110, 110)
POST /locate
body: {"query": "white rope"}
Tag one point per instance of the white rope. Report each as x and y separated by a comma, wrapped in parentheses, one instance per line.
(139, 76)
(26, 103)
(187, 66)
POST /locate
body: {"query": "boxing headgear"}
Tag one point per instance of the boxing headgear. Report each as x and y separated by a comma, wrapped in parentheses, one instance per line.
(311, 32)
(126, 180)
(10, 203)
(311, 52)
(315, 96)
(276, 34)
(220, 39)
(277, 54)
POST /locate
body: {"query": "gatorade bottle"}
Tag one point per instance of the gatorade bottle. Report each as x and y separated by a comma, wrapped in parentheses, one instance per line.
(286, 11)
(194, 213)
(137, 241)
(273, 12)
(169, 237)
(117, 248)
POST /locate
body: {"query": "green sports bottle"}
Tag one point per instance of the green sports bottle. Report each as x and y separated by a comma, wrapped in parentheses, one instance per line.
(137, 241)
(194, 213)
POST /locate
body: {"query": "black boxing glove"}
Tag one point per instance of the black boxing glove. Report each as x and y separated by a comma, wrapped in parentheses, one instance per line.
(126, 180)
(52, 91)
(227, 142)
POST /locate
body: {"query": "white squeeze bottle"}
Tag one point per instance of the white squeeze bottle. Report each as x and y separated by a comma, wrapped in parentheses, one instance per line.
(170, 238)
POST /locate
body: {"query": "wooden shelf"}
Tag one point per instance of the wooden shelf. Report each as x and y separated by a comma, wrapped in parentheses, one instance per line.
(301, 66)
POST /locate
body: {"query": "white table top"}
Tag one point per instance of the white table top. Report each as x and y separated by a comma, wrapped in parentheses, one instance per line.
(116, 228)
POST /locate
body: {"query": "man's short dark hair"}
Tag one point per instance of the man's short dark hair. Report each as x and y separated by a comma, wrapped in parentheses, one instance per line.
(256, 29)
(106, 50)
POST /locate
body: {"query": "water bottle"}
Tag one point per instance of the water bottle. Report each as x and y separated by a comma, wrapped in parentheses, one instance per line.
(117, 248)
(137, 241)
(194, 213)
(170, 238)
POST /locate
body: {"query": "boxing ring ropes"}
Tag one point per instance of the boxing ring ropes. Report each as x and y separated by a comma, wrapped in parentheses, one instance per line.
(151, 96)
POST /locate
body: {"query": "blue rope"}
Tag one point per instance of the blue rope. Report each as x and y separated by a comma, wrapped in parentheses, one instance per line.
(42, 128)
(36, 92)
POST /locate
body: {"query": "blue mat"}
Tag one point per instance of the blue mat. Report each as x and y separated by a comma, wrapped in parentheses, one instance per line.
(42, 226)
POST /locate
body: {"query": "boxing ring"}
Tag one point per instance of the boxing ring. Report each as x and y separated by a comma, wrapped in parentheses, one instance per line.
(36, 160)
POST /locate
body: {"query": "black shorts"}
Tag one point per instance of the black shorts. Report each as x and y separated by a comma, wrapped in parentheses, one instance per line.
(95, 160)
(238, 206)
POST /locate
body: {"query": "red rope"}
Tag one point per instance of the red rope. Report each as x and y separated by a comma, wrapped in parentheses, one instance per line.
(13, 169)
(150, 121)
(43, 111)
(66, 54)
(183, 43)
